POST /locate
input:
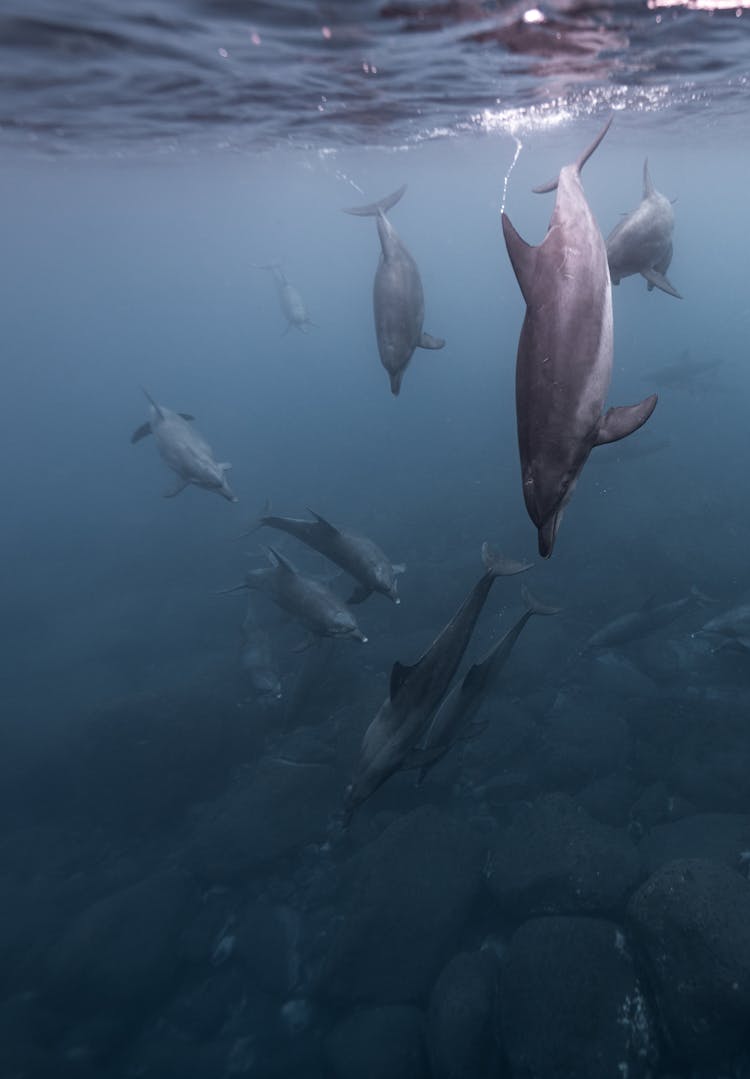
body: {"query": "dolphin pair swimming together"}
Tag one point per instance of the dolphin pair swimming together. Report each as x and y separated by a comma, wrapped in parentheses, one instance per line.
(565, 352)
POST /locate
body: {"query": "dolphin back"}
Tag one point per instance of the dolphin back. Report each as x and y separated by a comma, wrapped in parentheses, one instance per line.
(380, 207)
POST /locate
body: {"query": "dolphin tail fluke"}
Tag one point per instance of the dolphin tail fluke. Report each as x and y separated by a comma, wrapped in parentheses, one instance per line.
(660, 280)
(500, 566)
(617, 423)
(426, 340)
(375, 208)
(535, 606)
(552, 185)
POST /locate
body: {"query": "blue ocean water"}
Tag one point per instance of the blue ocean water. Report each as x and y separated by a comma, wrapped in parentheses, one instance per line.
(179, 895)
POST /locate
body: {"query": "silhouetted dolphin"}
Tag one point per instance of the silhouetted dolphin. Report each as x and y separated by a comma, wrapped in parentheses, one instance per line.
(454, 720)
(358, 555)
(292, 304)
(642, 242)
(416, 691)
(184, 451)
(398, 298)
(564, 363)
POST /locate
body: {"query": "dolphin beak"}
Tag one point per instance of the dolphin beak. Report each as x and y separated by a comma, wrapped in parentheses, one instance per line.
(548, 533)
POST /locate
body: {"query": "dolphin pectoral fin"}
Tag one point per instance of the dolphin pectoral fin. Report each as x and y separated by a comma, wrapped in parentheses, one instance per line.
(225, 465)
(617, 423)
(522, 257)
(360, 594)
(426, 340)
(175, 489)
(658, 280)
(399, 673)
(140, 432)
(186, 416)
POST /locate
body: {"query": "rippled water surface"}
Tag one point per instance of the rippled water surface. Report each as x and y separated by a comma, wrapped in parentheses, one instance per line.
(92, 77)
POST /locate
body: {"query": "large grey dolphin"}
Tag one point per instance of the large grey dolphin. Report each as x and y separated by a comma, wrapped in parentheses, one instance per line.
(564, 362)
(309, 601)
(185, 451)
(454, 720)
(415, 692)
(359, 556)
(292, 305)
(642, 241)
(398, 297)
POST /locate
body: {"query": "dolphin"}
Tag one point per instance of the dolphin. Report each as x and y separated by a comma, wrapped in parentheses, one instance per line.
(357, 555)
(184, 451)
(686, 374)
(642, 241)
(455, 718)
(398, 298)
(256, 658)
(292, 305)
(647, 619)
(732, 629)
(309, 601)
(415, 692)
(564, 362)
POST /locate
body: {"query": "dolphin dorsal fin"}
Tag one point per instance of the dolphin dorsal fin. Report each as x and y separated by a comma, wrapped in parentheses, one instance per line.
(322, 521)
(279, 561)
(522, 257)
(399, 674)
(648, 186)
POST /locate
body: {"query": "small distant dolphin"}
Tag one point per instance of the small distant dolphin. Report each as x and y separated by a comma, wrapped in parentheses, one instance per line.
(398, 298)
(642, 241)
(357, 555)
(731, 628)
(564, 363)
(647, 619)
(686, 373)
(416, 691)
(312, 603)
(292, 304)
(256, 657)
(455, 718)
(184, 451)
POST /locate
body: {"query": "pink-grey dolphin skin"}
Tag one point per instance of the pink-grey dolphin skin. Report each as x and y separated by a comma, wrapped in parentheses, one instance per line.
(564, 362)
(415, 692)
(185, 451)
(398, 298)
(642, 241)
(357, 555)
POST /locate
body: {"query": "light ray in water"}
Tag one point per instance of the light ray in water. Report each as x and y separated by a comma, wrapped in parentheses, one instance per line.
(516, 155)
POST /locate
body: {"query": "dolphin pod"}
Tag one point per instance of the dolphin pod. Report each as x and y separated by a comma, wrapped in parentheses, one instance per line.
(565, 351)
(642, 241)
(398, 297)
